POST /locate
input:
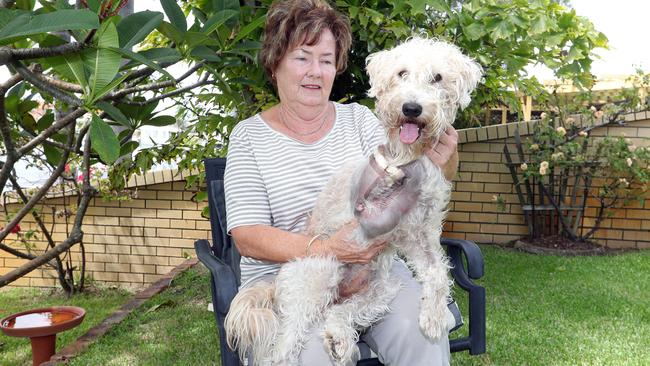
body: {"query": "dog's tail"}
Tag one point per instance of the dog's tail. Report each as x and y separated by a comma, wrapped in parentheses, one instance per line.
(251, 323)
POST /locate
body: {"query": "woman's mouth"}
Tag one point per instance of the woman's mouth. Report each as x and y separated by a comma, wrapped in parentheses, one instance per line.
(311, 86)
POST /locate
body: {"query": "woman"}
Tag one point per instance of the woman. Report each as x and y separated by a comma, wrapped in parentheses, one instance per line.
(279, 160)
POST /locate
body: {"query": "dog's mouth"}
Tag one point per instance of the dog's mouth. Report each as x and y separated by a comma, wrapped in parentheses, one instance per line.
(410, 131)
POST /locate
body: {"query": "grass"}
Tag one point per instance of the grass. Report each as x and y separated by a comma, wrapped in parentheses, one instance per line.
(98, 304)
(541, 310)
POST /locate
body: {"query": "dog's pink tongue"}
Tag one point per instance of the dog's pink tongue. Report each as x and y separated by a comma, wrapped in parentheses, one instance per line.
(409, 133)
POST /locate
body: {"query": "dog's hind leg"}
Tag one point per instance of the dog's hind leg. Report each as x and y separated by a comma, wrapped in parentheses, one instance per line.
(343, 320)
(431, 270)
(304, 289)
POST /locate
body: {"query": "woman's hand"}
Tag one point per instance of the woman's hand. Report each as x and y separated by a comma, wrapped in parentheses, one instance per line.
(348, 251)
(444, 153)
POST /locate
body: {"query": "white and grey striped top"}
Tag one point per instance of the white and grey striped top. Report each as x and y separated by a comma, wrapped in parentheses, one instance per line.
(272, 179)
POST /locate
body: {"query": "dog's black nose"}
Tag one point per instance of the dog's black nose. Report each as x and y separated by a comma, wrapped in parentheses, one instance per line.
(411, 110)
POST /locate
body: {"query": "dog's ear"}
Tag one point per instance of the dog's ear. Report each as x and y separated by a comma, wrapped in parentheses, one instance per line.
(376, 66)
(469, 74)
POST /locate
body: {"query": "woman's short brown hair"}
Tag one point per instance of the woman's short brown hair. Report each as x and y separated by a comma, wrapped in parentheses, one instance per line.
(290, 23)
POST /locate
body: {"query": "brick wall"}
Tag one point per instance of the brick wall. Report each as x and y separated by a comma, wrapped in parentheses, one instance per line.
(132, 243)
(482, 175)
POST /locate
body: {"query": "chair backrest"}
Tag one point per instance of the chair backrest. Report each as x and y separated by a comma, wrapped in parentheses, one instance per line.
(223, 246)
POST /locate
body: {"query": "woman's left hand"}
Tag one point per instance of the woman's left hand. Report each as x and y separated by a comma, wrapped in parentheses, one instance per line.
(444, 153)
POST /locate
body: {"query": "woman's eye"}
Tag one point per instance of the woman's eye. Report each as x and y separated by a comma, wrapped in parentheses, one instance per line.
(436, 78)
(402, 74)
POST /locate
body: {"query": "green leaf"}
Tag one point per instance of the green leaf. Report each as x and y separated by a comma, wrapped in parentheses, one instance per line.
(205, 53)
(160, 121)
(115, 114)
(249, 28)
(52, 154)
(169, 31)
(175, 14)
(45, 121)
(219, 5)
(110, 86)
(102, 62)
(474, 31)
(194, 39)
(103, 140)
(76, 66)
(128, 148)
(50, 22)
(539, 25)
(134, 28)
(159, 55)
(141, 59)
(218, 20)
(502, 30)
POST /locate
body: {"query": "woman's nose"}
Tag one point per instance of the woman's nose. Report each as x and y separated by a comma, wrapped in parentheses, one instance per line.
(315, 69)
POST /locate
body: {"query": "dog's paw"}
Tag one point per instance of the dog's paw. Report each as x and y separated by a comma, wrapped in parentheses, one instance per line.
(340, 348)
(434, 322)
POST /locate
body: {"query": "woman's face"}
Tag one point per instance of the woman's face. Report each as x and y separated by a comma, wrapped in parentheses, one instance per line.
(306, 73)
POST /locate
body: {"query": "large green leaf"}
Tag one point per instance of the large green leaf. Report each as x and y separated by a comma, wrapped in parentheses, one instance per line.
(171, 32)
(158, 55)
(160, 121)
(76, 66)
(103, 140)
(137, 26)
(218, 20)
(141, 59)
(205, 53)
(175, 14)
(219, 5)
(68, 19)
(115, 113)
(110, 86)
(102, 62)
(249, 28)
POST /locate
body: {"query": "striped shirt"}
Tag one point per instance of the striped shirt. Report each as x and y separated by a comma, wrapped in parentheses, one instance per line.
(272, 179)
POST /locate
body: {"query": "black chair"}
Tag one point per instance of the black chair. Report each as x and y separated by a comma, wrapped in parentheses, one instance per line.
(222, 259)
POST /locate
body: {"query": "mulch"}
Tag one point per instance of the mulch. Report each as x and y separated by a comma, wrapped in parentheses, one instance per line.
(558, 245)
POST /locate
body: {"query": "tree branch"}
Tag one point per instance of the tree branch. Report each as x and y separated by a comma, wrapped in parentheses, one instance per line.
(46, 233)
(29, 53)
(11, 155)
(44, 189)
(61, 84)
(153, 86)
(54, 128)
(45, 86)
(170, 94)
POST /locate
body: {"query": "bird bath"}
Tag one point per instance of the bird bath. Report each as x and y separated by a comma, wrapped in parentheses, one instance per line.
(41, 327)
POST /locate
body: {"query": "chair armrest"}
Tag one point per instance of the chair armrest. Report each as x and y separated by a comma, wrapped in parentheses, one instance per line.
(221, 273)
(457, 248)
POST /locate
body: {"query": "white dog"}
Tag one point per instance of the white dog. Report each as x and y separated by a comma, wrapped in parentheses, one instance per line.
(398, 194)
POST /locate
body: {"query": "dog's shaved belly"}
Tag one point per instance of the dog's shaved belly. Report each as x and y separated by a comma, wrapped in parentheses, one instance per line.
(381, 201)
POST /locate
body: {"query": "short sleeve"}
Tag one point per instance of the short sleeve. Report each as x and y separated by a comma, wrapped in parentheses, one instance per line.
(247, 201)
(371, 132)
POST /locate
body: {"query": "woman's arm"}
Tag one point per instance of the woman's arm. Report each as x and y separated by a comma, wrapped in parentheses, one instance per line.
(276, 245)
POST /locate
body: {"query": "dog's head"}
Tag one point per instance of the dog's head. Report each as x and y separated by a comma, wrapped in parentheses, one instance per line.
(419, 86)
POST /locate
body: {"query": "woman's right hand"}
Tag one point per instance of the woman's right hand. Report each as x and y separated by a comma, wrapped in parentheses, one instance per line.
(347, 250)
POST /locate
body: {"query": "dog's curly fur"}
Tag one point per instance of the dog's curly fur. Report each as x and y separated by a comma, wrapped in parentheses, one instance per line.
(273, 320)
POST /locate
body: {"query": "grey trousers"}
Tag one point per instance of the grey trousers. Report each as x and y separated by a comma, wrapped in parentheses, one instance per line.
(396, 339)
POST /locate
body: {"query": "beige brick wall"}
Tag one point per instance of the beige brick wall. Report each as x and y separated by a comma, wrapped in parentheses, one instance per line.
(482, 175)
(128, 243)
(132, 243)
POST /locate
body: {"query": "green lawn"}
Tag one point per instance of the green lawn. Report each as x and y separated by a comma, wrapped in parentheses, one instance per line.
(98, 304)
(541, 311)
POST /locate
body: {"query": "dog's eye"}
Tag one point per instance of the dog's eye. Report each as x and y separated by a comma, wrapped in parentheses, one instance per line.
(402, 74)
(436, 78)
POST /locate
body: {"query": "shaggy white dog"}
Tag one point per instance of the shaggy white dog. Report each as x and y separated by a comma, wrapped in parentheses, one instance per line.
(398, 195)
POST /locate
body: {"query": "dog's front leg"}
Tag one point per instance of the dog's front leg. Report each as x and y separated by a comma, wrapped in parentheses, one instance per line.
(304, 288)
(431, 270)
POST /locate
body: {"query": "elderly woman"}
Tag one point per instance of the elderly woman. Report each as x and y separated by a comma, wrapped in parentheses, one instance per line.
(280, 159)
